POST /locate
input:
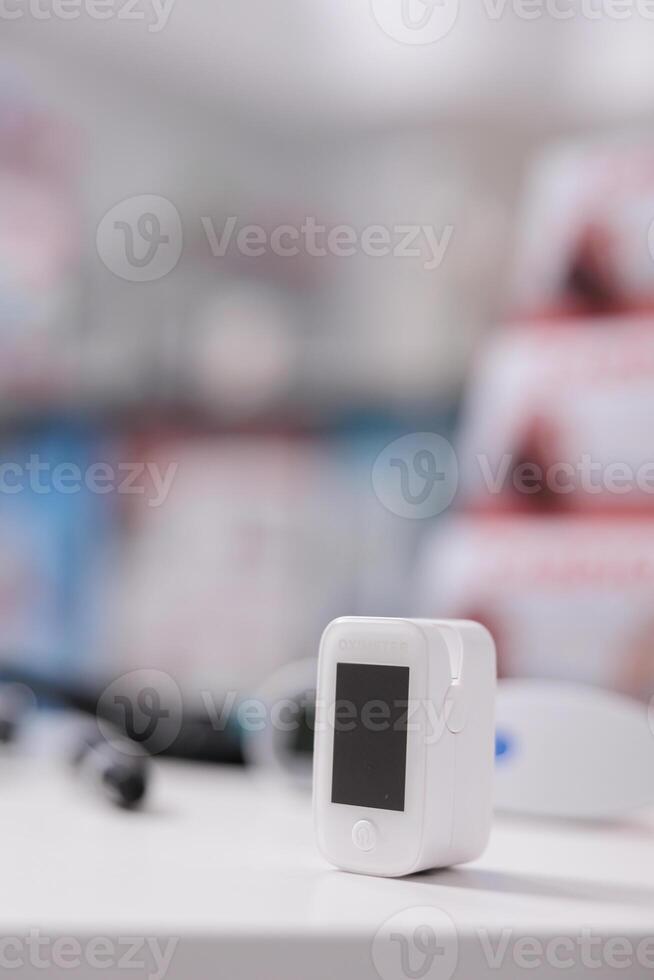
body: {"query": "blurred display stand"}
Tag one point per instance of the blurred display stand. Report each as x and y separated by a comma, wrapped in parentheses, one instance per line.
(226, 379)
(53, 545)
(553, 550)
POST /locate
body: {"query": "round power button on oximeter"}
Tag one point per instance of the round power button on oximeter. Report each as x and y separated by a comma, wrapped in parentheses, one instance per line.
(363, 835)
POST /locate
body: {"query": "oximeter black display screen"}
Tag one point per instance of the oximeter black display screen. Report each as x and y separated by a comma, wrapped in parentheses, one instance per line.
(370, 729)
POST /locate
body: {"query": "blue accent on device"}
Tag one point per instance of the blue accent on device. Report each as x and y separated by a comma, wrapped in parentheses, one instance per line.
(503, 744)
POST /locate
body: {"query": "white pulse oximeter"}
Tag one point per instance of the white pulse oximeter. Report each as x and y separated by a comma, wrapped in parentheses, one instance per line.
(404, 743)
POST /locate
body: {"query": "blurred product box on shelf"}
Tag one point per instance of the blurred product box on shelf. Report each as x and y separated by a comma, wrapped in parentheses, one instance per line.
(586, 241)
(254, 544)
(39, 249)
(239, 356)
(562, 419)
(569, 598)
(55, 550)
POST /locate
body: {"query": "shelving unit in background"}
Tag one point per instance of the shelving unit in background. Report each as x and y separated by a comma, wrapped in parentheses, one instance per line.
(272, 114)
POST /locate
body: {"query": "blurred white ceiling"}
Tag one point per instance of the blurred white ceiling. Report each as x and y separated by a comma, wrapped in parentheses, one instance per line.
(298, 62)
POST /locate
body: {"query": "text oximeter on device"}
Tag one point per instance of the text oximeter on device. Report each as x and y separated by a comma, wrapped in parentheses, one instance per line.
(404, 743)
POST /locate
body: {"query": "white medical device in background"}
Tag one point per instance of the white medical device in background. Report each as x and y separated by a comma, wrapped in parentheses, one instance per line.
(568, 750)
(404, 743)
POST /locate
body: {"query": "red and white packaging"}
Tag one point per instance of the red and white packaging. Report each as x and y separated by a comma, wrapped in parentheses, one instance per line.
(568, 598)
(586, 243)
(561, 419)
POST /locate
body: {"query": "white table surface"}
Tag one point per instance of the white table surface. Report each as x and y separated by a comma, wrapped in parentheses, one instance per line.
(224, 862)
